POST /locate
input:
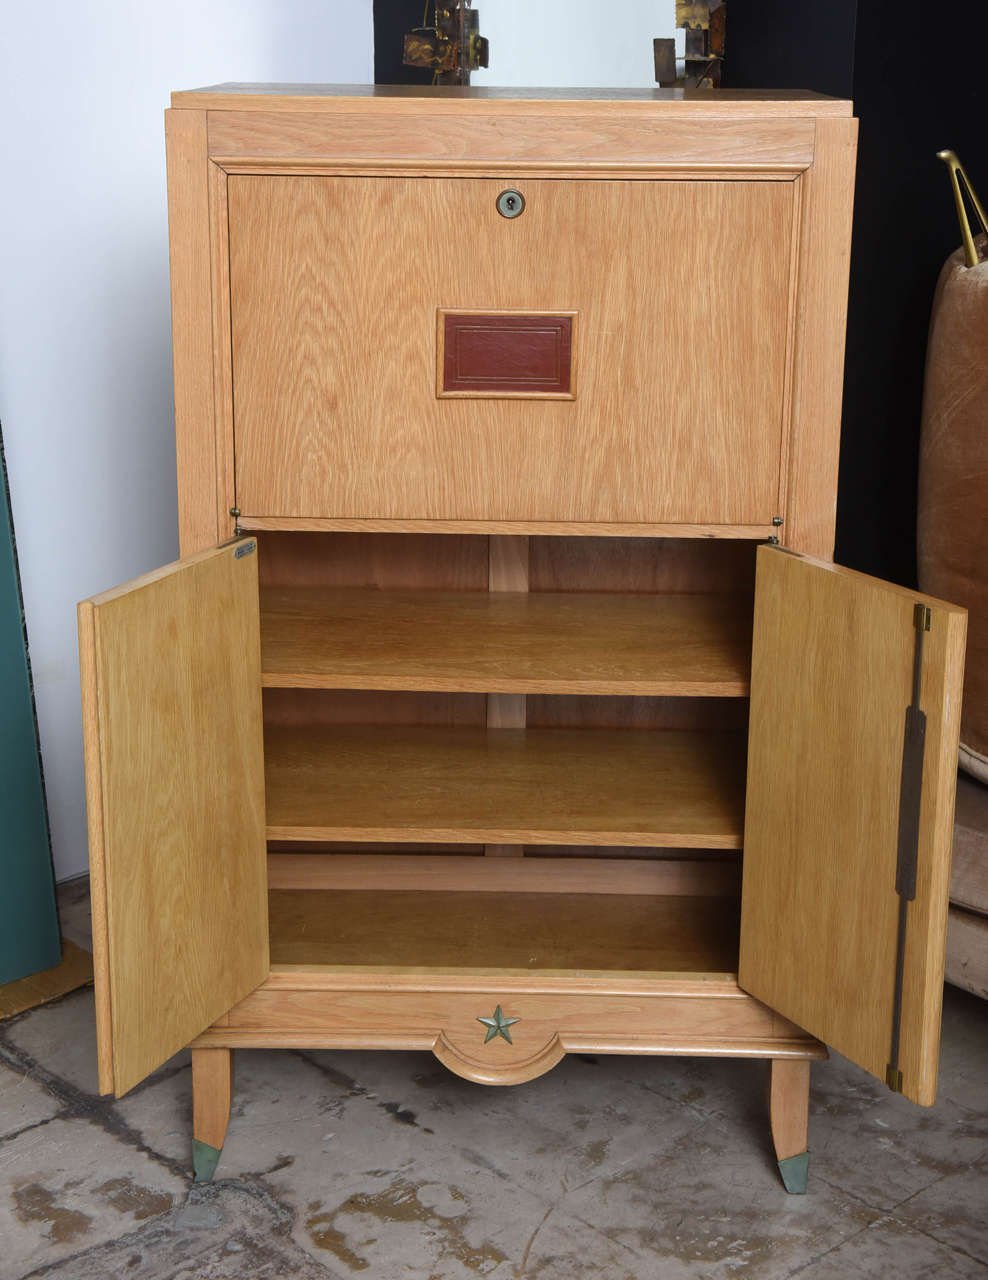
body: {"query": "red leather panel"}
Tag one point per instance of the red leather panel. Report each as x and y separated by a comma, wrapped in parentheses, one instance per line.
(507, 354)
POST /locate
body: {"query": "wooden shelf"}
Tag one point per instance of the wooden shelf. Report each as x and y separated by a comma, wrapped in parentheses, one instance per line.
(504, 932)
(505, 786)
(507, 642)
(717, 875)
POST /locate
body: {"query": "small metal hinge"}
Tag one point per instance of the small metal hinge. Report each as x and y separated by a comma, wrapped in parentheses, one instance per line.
(921, 617)
(235, 512)
(893, 1078)
(773, 541)
(777, 520)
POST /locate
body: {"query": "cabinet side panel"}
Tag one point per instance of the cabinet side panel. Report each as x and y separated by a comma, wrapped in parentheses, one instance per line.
(192, 328)
(179, 745)
(821, 321)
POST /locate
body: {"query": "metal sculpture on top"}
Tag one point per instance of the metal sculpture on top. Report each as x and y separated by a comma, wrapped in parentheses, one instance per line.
(704, 22)
(452, 47)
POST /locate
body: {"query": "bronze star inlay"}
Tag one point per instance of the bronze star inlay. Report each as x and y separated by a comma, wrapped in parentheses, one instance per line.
(498, 1026)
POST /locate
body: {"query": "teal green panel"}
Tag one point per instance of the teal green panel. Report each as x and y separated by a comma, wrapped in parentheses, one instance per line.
(29, 938)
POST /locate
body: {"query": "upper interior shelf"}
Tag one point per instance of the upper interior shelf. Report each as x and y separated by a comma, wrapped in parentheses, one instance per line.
(507, 642)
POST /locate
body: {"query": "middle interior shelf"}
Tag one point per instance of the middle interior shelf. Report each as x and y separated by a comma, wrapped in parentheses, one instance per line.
(673, 789)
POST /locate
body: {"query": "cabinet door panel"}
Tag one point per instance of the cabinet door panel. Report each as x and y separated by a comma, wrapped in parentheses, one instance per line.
(832, 675)
(175, 795)
(679, 295)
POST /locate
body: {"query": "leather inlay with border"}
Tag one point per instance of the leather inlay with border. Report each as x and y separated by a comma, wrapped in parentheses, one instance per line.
(527, 355)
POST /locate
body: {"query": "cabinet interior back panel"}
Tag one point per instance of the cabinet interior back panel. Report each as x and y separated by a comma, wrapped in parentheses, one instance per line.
(681, 293)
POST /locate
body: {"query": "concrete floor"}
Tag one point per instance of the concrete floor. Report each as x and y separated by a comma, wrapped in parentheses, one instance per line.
(384, 1164)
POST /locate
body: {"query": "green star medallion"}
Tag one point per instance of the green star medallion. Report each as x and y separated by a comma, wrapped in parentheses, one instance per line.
(498, 1026)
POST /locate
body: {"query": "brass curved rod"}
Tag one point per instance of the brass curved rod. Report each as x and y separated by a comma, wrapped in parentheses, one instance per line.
(957, 175)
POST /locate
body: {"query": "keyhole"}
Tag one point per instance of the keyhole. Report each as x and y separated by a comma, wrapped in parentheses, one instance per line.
(510, 204)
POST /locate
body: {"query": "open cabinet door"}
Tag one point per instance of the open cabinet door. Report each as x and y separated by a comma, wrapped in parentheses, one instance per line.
(849, 794)
(171, 691)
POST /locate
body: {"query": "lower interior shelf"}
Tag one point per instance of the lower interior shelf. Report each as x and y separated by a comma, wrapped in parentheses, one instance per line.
(505, 933)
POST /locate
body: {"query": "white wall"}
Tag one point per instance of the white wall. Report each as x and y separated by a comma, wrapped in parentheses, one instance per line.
(85, 354)
(573, 42)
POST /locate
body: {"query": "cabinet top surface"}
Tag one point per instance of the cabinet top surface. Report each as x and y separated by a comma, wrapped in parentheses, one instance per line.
(363, 97)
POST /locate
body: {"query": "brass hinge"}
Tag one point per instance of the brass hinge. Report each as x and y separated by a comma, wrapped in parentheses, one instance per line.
(893, 1078)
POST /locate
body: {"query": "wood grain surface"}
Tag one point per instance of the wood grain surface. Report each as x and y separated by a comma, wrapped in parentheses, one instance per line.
(507, 572)
(96, 837)
(507, 642)
(451, 930)
(649, 876)
(329, 274)
(212, 1091)
(297, 708)
(171, 671)
(480, 99)
(581, 143)
(611, 711)
(673, 565)
(379, 562)
(74, 970)
(505, 786)
(832, 667)
(441, 562)
(192, 328)
(819, 334)
(552, 528)
(789, 1107)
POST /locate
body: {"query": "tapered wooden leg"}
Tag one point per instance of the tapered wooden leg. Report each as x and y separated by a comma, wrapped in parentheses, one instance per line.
(212, 1091)
(789, 1109)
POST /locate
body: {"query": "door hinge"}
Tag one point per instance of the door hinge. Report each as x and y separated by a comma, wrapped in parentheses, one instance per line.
(907, 855)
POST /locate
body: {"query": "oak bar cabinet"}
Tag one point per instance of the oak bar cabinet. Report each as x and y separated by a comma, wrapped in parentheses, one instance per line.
(473, 682)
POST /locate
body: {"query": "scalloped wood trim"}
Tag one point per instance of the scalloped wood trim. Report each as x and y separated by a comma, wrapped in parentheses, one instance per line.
(480, 1072)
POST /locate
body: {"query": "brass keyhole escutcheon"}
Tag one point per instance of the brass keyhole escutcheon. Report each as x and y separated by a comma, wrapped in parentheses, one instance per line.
(510, 203)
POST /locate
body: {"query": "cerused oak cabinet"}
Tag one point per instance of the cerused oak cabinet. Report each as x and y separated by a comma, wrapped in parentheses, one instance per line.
(449, 728)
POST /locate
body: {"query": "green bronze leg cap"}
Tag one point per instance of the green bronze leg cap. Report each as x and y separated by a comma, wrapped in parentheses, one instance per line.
(204, 1160)
(795, 1170)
